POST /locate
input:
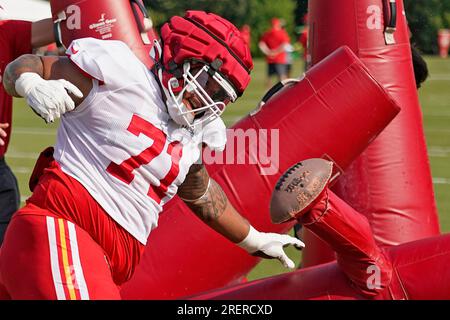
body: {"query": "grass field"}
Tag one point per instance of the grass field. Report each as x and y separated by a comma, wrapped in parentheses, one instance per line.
(31, 135)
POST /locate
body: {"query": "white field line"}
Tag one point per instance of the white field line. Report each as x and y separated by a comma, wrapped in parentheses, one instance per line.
(437, 151)
(22, 155)
(230, 120)
(439, 77)
(439, 130)
(33, 131)
(21, 170)
(437, 180)
(437, 114)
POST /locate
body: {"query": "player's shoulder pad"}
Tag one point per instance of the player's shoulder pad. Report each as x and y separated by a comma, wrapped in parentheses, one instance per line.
(105, 60)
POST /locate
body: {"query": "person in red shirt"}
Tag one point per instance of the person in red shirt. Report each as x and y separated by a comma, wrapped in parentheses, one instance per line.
(16, 38)
(273, 44)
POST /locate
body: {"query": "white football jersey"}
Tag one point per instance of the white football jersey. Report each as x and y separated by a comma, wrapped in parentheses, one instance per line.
(120, 143)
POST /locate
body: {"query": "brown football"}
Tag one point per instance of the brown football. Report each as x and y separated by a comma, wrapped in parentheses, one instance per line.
(298, 187)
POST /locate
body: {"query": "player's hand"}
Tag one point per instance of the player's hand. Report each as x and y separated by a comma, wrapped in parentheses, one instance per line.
(48, 98)
(3, 133)
(270, 246)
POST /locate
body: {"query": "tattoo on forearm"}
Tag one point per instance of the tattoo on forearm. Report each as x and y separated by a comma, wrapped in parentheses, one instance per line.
(25, 63)
(195, 184)
(212, 205)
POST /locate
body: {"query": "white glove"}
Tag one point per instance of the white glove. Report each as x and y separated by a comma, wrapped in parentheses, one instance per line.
(48, 98)
(270, 245)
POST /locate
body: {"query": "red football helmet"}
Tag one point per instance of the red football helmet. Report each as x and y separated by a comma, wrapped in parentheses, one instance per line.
(204, 56)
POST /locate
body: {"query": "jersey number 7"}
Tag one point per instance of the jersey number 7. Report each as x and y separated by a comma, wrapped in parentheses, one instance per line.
(124, 171)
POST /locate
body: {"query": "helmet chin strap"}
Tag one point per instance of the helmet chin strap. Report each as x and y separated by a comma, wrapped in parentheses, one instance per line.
(175, 112)
(175, 106)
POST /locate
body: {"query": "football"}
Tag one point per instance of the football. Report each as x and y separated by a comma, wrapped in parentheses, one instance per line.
(298, 187)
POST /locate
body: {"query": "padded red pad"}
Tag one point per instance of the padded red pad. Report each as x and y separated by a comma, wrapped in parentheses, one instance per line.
(334, 112)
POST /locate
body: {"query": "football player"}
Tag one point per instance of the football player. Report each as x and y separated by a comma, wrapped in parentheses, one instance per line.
(129, 140)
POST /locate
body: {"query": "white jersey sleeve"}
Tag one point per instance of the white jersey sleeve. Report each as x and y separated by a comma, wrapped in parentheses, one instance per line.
(110, 62)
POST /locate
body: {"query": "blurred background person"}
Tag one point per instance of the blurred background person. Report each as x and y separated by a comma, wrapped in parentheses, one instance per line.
(273, 45)
(289, 49)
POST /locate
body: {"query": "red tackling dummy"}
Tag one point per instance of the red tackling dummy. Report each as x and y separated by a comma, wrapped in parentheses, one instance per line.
(334, 112)
(416, 270)
(390, 183)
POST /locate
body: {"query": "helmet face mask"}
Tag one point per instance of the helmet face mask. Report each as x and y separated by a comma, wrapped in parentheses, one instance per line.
(200, 97)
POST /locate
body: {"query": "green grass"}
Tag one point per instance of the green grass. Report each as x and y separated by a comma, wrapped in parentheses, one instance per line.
(435, 101)
(31, 135)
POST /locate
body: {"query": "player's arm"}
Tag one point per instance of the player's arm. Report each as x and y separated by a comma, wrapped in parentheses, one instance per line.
(265, 49)
(280, 49)
(42, 33)
(209, 202)
(52, 85)
(286, 42)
